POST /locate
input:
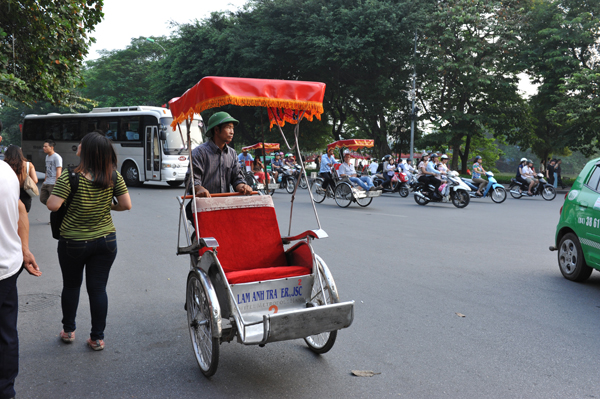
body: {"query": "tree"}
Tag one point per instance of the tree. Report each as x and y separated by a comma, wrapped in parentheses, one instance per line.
(42, 46)
(469, 87)
(126, 77)
(560, 49)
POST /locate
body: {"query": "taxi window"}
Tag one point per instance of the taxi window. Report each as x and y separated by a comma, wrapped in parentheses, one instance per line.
(594, 179)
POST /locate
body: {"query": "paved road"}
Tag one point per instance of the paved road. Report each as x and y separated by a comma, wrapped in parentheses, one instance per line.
(528, 332)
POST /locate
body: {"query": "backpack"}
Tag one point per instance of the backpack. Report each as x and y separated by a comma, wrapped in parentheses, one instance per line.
(57, 217)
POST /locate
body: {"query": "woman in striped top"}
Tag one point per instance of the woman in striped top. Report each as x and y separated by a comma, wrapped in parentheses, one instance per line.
(87, 234)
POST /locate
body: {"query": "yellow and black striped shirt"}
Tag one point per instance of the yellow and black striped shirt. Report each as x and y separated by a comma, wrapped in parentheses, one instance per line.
(88, 216)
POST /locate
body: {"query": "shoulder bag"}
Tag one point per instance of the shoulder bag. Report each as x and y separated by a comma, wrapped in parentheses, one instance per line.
(29, 185)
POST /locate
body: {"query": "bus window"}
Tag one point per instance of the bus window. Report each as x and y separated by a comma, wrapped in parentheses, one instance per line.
(130, 128)
(33, 129)
(52, 129)
(71, 130)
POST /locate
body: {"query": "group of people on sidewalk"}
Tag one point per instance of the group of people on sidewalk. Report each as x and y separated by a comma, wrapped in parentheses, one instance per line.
(87, 242)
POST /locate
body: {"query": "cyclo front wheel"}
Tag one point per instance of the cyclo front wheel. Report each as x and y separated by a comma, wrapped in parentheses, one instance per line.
(316, 189)
(323, 293)
(206, 347)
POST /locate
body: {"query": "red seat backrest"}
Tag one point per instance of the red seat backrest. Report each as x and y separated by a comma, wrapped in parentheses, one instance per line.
(246, 229)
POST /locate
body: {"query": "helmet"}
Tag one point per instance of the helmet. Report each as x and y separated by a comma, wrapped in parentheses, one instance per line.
(478, 157)
(217, 119)
(281, 153)
(434, 155)
(424, 154)
(523, 160)
(346, 152)
(386, 158)
(288, 155)
(529, 161)
(444, 156)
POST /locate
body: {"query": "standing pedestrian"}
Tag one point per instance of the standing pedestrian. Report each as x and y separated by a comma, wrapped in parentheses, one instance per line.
(23, 168)
(53, 170)
(15, 254)
(87, 235)
(550, 172)
(558, 174)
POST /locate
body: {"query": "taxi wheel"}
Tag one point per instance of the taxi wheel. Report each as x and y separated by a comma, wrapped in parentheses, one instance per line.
(206, 347)
(570, 259)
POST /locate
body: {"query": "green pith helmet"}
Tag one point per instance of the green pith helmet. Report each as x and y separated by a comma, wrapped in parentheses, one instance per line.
(217, 119)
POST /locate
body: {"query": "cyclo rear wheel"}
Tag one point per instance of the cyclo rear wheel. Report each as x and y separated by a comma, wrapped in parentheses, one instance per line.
(206, 347)
(325, 295)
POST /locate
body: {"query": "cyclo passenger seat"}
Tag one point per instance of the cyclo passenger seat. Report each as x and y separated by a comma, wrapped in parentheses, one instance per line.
(250, 245)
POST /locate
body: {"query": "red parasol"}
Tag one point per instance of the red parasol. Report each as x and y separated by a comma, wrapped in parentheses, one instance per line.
(352, 144)
(259, 146)
(286, 99)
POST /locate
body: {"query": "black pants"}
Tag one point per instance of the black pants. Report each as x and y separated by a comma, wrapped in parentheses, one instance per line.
(9, 339)
(327, 179)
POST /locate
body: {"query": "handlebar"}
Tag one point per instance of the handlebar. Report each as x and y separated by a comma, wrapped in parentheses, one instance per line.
(219, 195)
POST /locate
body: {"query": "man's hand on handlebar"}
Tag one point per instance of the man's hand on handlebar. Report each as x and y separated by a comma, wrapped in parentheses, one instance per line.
(243, 189)
(202, 192)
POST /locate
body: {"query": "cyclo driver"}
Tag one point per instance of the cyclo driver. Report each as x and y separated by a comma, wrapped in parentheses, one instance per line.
(214, 163)
(327, 161)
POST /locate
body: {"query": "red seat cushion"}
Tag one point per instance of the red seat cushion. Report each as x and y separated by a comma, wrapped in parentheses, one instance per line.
(248, 235)
(269, 273)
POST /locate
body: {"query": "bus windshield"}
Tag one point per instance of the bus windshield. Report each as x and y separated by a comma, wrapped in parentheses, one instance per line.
(176, 141)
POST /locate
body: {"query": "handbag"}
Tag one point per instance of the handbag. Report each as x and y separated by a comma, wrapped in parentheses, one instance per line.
(29, 185)
(57, 217)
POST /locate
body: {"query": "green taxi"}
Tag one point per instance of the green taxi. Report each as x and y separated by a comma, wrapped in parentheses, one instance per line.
(578, 230)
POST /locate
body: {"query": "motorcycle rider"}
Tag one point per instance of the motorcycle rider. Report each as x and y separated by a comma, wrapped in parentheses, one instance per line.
(433, 173)
(528, 174)
(244, 157)
(388, 171)
(478, 171)
(327, 162)
(276, 165)
(443, 166)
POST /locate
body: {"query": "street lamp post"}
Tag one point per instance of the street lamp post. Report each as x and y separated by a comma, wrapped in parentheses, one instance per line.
(413, 95)
(155, 42)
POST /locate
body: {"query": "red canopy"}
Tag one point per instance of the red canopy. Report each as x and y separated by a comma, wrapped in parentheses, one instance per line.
(353, 144)
(284, 98)
(259, 146)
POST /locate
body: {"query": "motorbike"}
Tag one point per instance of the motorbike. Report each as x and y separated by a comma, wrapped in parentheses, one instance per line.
(455, 191)
(493, 189)
(518, 189)
(286, 179)
(399, 184)
(303, 182)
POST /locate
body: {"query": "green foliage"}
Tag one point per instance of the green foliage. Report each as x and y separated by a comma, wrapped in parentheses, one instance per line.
(559, 51)
(50, 43)
(126, 77)
(470, 85)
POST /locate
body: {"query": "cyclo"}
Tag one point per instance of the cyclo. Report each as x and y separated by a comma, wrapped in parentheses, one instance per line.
(252, 179)
(242, 283)
(344, 191)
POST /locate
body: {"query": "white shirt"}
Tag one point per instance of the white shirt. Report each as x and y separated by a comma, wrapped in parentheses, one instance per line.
(346, 169)
(52, 162)
(526, 171)
(373, 167)
(11, 254)
(390, 169)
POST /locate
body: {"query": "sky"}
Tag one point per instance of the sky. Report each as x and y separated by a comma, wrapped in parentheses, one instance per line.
(127, 19)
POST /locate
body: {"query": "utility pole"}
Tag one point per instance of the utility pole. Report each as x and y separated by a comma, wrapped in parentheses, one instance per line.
(413, 94)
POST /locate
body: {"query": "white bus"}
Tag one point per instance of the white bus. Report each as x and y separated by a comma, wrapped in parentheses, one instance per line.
(147, 147)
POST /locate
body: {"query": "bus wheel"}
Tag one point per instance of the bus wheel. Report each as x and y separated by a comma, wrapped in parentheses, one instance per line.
(131, 175)
(175, 183)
